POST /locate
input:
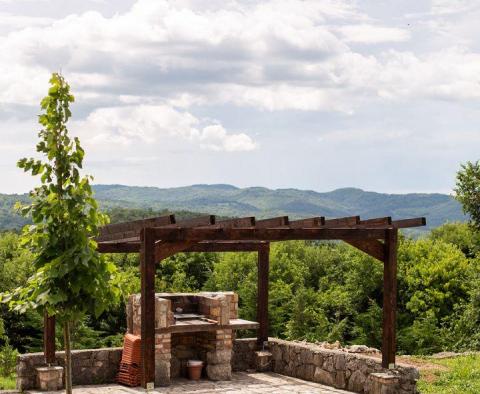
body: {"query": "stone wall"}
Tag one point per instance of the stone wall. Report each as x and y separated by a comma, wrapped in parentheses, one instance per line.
(353, 372)
(88, 366)
(243, 355)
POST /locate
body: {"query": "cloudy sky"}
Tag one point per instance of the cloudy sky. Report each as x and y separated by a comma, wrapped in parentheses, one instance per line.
(381, 95)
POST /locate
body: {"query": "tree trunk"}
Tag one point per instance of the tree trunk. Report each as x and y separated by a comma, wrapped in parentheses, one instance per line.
(68, 358)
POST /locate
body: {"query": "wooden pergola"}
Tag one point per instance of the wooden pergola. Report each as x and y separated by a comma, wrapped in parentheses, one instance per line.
(161, 237)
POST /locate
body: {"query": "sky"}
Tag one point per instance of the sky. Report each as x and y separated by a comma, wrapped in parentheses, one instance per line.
(380, 95)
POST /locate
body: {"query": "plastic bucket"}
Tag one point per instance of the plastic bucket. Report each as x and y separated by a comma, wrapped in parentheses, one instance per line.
(194, 369)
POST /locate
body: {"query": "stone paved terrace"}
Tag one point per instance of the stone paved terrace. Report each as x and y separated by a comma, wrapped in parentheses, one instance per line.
(242, 382)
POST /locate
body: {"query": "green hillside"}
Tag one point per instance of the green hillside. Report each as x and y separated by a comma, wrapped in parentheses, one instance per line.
(227, 200)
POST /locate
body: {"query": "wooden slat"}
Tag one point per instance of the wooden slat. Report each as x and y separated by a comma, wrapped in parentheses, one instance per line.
(372, 247)
(405, 223)
(389, 343)
(383, 221)
(147, 274)
(272, 222)
(349, 221)
(131, 229)
(309, 222)
(265, 234)
(262, 294)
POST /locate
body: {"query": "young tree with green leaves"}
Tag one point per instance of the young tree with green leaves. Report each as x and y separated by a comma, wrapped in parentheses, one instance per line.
(467, 191)
(71, 278)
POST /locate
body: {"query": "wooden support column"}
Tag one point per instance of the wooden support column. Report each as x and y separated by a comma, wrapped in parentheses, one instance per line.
(262, 293)
(49, 338)
(147, 272)
(389, 299)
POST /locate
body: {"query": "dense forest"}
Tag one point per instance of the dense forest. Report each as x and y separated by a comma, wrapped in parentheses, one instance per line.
(319, 291)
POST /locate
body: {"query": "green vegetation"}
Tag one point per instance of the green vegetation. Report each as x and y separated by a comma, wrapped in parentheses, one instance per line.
(318, 291)
(452, 376)
(70, 277)
(230, 201)
(468, 191)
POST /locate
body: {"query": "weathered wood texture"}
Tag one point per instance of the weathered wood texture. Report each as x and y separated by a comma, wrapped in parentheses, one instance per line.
(132, 229)
(265, 234)
(373, 247)
(49, 338)
(147, 274)
(262, 294)
(389, 342)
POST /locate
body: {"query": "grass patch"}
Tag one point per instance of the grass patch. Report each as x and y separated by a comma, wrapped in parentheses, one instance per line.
(7, 383)
(457, 375)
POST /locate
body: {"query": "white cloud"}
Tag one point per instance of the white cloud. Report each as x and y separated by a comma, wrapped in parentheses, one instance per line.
(273, 55)
(134, 126)
(371, 34)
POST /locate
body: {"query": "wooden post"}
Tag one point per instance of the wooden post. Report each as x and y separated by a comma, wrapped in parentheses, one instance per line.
(262, 293)
(49, 338)
(147, 272)
(389, 299)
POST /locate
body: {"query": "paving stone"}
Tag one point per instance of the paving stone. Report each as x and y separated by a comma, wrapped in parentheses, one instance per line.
(242, 382)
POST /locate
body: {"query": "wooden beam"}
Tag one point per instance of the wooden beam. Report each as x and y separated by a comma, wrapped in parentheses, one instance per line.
(147, 273)
(265, 234)
(262, 294)
(197, 221)
(349, 221)
(118, 247)
(237, 222)
(389, 299)
(166, 249)
(383, 221)
(131, 229)
(233, 246)
(272, 222)
(309, 222)
(49, 338)
(209, 246)
(372, 247)
(404, 223)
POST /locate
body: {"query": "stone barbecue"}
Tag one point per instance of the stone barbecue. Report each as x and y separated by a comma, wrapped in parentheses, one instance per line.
(199, 326)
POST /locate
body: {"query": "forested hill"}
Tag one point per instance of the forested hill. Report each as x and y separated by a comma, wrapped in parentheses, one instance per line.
(227, 200)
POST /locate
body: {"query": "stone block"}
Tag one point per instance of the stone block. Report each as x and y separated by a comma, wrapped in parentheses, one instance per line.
(162, 372)
(382, 383)
(323, 377)
(356, 382)
(219, 371)
(49, 378)
(219, 357)
(262, 361)
(340, 362)
(340, 381)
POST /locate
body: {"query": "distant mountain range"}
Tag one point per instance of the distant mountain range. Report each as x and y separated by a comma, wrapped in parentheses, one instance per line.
(227, 200)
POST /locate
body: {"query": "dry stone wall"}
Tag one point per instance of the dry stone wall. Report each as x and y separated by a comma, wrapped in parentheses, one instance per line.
(353, 372)
(88, 366)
